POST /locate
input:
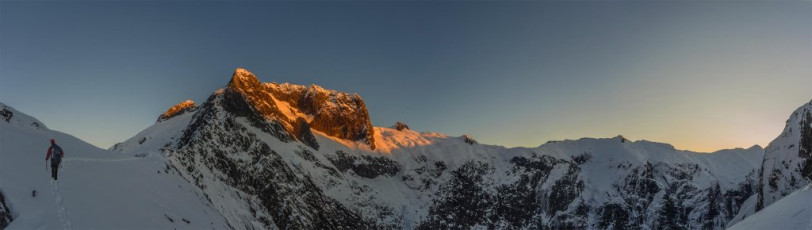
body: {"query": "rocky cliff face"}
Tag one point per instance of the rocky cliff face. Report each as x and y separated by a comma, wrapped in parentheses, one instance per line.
(227, 152)
(787, 164)
(334, 113)
(239, 143)
(337, 114)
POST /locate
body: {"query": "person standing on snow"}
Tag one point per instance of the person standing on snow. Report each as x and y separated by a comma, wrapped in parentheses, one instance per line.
(55, 153)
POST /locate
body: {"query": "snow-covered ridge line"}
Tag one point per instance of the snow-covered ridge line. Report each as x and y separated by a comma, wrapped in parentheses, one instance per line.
(12, 116)
(97, 189)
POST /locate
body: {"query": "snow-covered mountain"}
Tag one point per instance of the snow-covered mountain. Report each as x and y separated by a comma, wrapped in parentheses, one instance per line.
(97, 189)
(787, 164)
(269, 155)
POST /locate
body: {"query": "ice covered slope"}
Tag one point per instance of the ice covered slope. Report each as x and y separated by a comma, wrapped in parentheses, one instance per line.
(97, 189)
(791, 212)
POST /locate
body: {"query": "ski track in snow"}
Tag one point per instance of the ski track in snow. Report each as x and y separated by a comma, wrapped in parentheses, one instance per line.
(61, 211)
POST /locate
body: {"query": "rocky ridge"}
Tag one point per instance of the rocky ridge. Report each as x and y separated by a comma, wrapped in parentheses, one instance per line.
(178, 109)
(337, 114)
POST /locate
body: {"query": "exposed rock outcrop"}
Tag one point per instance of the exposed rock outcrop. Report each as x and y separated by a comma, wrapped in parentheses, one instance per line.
(178, 109)
(5, 212)
(304, 134)
(338, 114)
(6, 114)
(469, 139)
(400, 126)
(334, 113)
(10, 115)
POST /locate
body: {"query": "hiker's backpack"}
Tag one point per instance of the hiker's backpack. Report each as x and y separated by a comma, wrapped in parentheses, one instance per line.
(56, 154)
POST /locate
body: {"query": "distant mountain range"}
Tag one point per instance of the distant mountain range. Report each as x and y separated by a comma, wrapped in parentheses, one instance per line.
(266, 156)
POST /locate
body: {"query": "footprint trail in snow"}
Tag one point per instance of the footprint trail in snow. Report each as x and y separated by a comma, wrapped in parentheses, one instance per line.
(101, 160)
(61, 211)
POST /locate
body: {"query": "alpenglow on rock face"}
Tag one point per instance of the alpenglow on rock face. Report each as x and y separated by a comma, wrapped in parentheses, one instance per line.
(180, 108)
(338, 114)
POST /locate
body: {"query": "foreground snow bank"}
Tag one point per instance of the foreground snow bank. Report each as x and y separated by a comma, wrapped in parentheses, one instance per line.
(97, 189)
(791, 212)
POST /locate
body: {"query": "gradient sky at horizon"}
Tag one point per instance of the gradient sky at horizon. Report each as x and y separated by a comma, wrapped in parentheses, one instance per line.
(700, 75)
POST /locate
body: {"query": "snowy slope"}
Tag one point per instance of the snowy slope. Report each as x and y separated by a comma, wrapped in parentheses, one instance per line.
(791, 212)
(97, 189)
(255, 175)
(787, 164)
(155, 137)
(786, 167)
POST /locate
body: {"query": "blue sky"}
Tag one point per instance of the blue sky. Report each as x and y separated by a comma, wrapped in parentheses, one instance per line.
(700, 75)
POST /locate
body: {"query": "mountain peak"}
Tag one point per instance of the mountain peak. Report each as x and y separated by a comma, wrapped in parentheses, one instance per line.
(400, 126)
(338, 114)
(178, 109)
(243, 79)
(787, 164)
(620, 138)
(469, 139)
